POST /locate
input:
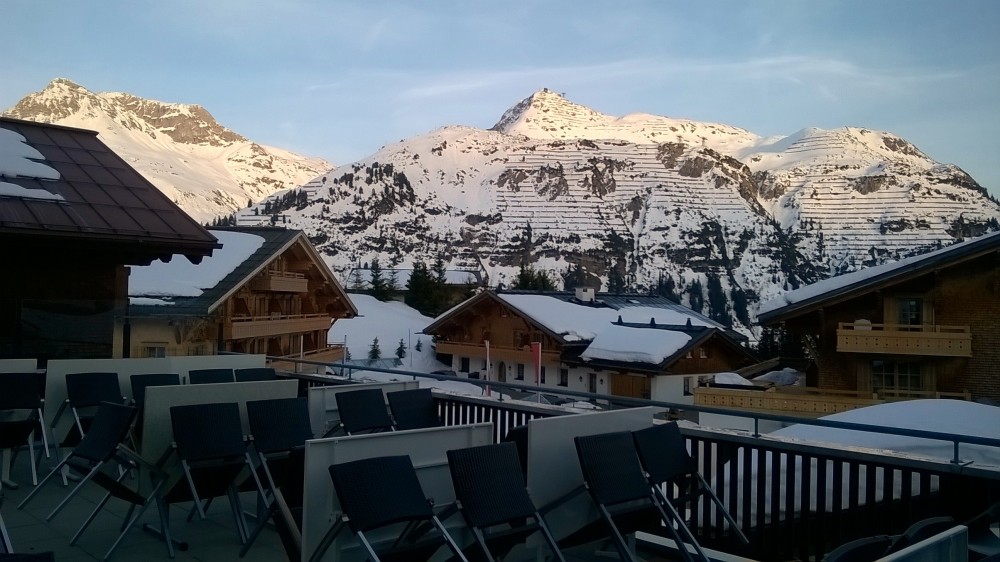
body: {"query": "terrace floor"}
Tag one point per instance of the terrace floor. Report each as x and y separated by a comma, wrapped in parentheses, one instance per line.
(210, 540)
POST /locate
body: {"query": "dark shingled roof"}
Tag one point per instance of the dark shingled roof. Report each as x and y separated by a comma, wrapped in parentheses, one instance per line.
(104, 200)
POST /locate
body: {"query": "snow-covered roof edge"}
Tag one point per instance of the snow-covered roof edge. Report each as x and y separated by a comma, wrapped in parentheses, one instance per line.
(811, 295)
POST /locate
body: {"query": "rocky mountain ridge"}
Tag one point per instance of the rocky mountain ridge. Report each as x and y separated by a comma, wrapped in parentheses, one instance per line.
(712, 215)
(207, 169)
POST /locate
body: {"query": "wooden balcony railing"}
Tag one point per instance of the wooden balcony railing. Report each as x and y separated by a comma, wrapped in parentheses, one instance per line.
(259, 327)
(899, 339)
(281, 282)
(497, 353)
(808, 401)
(329, 354)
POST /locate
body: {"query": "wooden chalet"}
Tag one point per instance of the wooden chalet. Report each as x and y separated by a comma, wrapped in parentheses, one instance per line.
(624, 345)
(915, 328)
(73, 215)
(266, 291)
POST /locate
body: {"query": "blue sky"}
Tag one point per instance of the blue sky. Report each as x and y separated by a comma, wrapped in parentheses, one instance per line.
(340, 79)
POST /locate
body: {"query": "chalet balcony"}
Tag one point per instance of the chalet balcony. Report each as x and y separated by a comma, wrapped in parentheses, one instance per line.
(276, 325)
(898, 339)
(497, 353)
(807, 401)
(281, 282)
(329, 354)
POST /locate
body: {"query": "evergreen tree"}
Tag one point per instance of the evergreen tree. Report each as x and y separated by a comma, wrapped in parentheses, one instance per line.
(419, 346)
(666, 288)
(717, 302)
(418, 288)
(401, 349)
(695, 296)
(374, 352)
(379, 286)
(357, 282)
(393, 281)
(439, 292)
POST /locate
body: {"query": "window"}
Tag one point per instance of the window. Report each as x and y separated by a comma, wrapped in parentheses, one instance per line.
(687, 386)
(155, 350)
(464, 364)
(484, 365)
(542, 379)
(702, 353)
(899, 377)
(520, 372)
(910, 311)
(592, 383)
(563, 377)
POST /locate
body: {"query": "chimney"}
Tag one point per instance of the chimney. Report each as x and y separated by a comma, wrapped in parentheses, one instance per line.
(585, 294)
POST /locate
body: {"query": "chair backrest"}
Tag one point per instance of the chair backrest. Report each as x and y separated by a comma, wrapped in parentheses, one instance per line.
(90, 389)
(518, 435)
(210, 376)
(860, 550)
(207, 431)
(378, 491)
(255, 374)
(279, 424)
(489, 485)
(363, 410)
(611, 467)
(21, 391)
(663, 452)
(413, 409)
(919, 531)
(141, 382)
(109, 428)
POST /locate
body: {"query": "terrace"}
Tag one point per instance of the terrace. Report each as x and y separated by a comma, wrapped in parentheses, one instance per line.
(795, 499)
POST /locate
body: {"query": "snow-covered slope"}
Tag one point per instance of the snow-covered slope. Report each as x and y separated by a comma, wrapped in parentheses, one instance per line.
(714, 215)
(202, 166)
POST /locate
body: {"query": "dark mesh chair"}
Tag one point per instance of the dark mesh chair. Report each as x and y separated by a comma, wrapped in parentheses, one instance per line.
(213, 453)
(919, 531)
(413, 409)
(363, 411)
(518, 435)
(279, 428)
(255, 374)
(139, 385)
(614, 477)
(866, 549)
(286, 506)
(380, 492)
(210, 376)
(98, 448)
(493, 499)
(666, 460)
(84, 392)
(21, 415)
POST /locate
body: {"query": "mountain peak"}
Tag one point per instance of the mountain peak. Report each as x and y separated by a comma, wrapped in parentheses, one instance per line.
(546, 114)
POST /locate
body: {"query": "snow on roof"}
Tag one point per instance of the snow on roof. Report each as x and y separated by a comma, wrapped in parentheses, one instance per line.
(731, 378)
(577, 322)
(848, 279)
(635, 345)
(181, 278)
(946, 416)
(17, 159)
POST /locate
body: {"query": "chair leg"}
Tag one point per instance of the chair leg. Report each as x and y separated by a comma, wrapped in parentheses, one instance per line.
(90, 519)
(76, 489)
(547, 534)
(326, 541)
(237, 508)
(725, 513)
(5, 545)
(56, 470)
(669, 514)
(619, 540)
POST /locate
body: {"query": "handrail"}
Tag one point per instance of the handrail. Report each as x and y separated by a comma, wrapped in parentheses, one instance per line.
(757, 417)
(916, 328)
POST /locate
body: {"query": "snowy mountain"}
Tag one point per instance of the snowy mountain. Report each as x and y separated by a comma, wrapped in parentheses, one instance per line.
(202, 166)
(713, 215)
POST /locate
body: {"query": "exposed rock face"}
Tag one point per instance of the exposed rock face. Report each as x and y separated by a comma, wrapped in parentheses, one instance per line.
(207, 169)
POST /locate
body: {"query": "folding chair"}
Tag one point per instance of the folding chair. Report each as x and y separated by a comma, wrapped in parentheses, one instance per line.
(255, 374)
(413, 409)
(5, 545)
(21, 415)
(210, 376)
(279, 427)
(921, 530)
(491, 493)
(377, 492)
(84, 392)
(139, 385)
(666, 460)
(363, 411)
(286, 507)
(213, 453)
(614, 477)
(860, 550)
(98, 449)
